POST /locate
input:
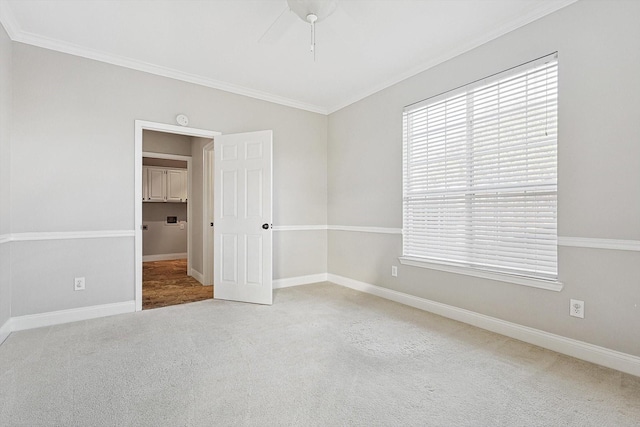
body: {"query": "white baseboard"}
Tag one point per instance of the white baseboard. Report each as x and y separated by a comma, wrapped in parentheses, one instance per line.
(31, 321)
(164, 257)
(197, 275)
(578, 349)
(300, 280)
(5, 330)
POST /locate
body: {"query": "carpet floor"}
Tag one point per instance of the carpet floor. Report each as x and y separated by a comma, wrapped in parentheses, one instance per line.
(322, 355)
(166, 283)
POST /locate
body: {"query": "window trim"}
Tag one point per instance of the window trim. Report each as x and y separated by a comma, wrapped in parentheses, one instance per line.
(551, 285)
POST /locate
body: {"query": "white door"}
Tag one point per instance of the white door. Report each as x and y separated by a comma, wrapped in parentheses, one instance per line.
(242, 220)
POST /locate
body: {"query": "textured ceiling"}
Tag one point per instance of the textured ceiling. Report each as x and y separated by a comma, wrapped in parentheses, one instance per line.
(361, 48)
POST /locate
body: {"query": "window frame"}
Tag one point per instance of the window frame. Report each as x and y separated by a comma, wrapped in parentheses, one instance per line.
(453, 266)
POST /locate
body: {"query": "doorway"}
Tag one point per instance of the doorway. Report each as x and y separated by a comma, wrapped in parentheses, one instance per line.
(168, 275)
(165, 268)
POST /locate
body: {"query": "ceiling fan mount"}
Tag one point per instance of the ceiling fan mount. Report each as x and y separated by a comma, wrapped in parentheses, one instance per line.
(310, 12)
(321, 9)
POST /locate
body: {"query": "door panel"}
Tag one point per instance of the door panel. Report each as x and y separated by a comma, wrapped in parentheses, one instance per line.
(242, 205)
(176, 185)
(157, 184)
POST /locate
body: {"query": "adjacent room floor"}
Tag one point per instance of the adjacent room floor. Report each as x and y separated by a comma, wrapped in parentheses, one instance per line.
(322, 355)
(166, 283)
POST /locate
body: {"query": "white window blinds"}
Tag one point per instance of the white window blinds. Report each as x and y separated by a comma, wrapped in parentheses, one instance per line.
(480, 174)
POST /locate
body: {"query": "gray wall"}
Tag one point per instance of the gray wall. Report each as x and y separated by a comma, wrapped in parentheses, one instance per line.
(167, 143)
(5, 175)
(599, 173)
(161, 238)
(73, 142)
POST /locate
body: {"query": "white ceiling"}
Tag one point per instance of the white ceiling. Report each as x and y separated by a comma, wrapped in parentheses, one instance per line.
(363, 47)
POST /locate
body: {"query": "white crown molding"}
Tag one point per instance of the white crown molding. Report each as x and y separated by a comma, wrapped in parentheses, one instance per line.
(300, 280)
(69, 235)
(164, 257)
(380, 230)
(472, 44)
(8, 20)
(579, 349)
(299, 227)
(596, 243)
(19, 35)
(31, 321)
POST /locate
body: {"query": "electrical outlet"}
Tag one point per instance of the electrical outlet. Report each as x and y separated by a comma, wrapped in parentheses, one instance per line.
(78, 284)
(394, 271)
(576, 309)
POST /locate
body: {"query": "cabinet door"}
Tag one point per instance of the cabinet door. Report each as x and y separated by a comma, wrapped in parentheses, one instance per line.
(176, 185)
(156, 184)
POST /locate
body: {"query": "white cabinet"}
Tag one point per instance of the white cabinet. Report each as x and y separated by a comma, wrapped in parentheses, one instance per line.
(176, 185)
(164, 184)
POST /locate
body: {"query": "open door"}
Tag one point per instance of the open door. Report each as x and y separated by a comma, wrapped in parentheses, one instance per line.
(242, 220)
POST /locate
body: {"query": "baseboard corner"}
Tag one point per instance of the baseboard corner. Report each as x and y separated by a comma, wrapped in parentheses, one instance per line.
(5, 330)
(299, 280)
(197, 275)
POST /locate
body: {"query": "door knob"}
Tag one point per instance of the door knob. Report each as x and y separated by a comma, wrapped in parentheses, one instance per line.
(265, 226)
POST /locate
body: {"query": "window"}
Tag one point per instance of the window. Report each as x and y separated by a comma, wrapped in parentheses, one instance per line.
(480, 174)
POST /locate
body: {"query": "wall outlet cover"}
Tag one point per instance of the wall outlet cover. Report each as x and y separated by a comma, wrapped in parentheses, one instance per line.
(576, 308)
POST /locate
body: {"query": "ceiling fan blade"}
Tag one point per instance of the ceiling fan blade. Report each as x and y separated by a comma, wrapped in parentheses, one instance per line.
(279, 27)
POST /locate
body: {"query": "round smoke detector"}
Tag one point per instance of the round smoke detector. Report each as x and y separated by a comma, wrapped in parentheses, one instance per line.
(182, 120)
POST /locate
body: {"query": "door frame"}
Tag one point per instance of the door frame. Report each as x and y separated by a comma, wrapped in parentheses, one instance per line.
(208, 157)
(140, 126)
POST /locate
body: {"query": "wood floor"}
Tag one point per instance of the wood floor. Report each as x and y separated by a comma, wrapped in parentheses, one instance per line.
(166, 283)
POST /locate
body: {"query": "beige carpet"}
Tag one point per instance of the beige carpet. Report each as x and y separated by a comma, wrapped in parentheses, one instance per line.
(322, 355)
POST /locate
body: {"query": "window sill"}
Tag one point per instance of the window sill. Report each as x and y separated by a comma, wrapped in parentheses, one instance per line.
(468, 271)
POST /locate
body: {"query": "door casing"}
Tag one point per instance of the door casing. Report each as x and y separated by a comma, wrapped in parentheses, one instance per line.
(140, 126)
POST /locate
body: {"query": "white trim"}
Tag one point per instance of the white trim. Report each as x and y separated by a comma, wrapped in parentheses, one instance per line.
(381, 230)
(164, 257)
(208, 162)
(69, 235)
(165, 156)
(31, 321)
(591, 353)
(300, 280)
(140, 126)
(452, 53)
(197, 275)
(8, 20)
(474, 272)
(596, 243)
(5, 330)
(299, 227)
(19, 35)
(5, 238)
